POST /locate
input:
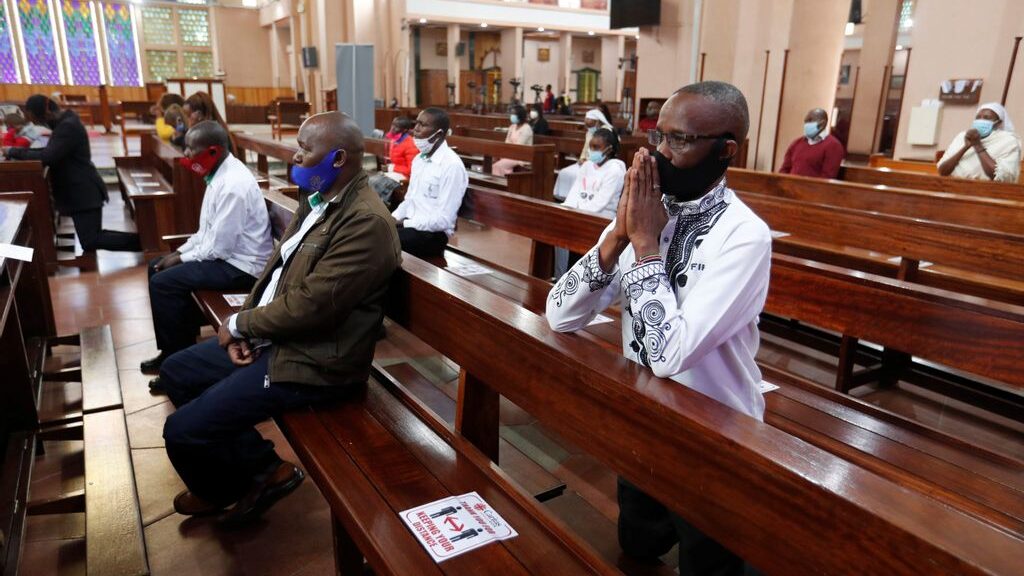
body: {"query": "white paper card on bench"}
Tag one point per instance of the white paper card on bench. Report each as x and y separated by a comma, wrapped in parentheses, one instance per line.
(17, 252)
(469, 269)
(141, 175)
(456, 525)
(235, 300)
(767, 387)
(600, 319)
(148, 184)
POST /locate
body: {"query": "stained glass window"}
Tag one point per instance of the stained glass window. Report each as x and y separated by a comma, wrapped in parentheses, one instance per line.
(907, 15)
(8, 66)
(194, 26)
(163, 64)
(81, 49)
(158, 25)
(124, 61)
(198, 64)
(39, 48)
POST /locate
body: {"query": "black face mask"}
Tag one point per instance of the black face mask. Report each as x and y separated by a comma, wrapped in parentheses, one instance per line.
(685, 184)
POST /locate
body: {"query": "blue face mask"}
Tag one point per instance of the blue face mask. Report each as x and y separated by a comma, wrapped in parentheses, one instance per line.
(984, 127)
(319, 178)
(592, 129)
(514, 119)
(596, 156)
(811, 129)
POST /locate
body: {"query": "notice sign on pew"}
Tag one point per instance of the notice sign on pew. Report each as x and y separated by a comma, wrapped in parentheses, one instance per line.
(455, 525)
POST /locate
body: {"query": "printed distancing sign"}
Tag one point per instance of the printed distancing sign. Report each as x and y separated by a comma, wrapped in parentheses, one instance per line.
(456, 525)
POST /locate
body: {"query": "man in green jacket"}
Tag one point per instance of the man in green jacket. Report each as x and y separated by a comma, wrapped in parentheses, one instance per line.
(305, 335)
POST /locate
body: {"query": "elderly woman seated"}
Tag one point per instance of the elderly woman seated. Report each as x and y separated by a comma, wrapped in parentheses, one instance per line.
(989, 150)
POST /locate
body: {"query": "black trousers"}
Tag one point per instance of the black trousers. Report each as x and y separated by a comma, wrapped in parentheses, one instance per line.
(422, 244)
(648, 530)
(211, 438)
(176, 318)
(89, 227)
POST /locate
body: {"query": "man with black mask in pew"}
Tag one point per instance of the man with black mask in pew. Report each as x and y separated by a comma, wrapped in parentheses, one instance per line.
(689, 263)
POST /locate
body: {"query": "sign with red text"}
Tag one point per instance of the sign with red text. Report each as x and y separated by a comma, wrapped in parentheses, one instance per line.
(456, 525)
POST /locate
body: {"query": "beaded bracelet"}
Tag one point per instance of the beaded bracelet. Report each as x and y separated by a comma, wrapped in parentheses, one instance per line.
(647, 259)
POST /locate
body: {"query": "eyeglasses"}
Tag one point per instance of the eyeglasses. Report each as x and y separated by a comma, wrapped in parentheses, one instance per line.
(677, 141)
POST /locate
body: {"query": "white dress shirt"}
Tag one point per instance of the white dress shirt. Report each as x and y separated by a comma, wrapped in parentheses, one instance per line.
(288, 248)
(1001, 145)
(436, 187)
(692, 315)
(597, 188)
(233, 222)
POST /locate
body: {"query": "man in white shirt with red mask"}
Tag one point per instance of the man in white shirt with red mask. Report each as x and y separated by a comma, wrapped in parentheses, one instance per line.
(227, 252)
(689, 263)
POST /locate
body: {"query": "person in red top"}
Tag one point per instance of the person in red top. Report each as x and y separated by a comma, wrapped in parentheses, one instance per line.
(403, 150)
(817, 153)
(549, 99)
(650, 120)
(12, 137)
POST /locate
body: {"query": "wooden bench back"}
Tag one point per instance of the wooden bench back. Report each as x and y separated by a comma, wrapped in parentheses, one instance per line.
(264, 148)
(977, 212)
(962, 247)
(701, 459)
(189, 188)
(919, 166)
(30, 176)
(932, 182)
(540, 157)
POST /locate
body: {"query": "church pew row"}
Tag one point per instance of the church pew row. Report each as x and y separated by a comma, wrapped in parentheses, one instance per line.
(932, 182)
(566, 147)
(114, 528)
(164, 197)
(29, 176)
(976, 212)
(909, 464)
(919, 166)
(383, 118)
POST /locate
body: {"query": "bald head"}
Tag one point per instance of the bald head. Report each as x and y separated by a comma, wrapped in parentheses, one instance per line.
(331, 131)
(816, 115)
(725, 103)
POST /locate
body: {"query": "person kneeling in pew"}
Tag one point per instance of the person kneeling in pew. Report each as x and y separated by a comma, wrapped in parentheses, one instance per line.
(426, 218)
(305, 335)
(227, 252)
(690, 264)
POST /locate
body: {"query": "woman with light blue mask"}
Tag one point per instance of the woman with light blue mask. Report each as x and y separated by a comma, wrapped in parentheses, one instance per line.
(519, 132)
(989, 150)
(594, 120)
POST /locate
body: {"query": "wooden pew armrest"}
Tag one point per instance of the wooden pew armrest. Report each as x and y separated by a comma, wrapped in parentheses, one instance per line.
(176, 240)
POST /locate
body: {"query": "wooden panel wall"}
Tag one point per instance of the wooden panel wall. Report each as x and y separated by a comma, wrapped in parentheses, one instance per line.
(243, 94)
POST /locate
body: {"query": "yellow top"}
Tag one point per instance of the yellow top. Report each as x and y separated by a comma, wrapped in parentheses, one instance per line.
(164, 130)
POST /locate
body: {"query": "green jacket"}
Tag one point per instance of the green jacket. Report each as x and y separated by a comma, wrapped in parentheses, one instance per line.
(329, 305)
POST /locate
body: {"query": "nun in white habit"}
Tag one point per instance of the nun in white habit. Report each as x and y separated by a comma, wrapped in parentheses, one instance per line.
(988, 150)
(567, 176)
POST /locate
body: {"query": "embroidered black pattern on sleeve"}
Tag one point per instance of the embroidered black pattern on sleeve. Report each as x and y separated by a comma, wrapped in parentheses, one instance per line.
(593, 277)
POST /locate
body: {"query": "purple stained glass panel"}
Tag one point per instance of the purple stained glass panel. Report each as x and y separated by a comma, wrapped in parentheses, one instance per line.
(8, 66)
(37, 36)
(124, 61)
(80, 36)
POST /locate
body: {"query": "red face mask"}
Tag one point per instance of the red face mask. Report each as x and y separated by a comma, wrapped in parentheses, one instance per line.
(202, 163)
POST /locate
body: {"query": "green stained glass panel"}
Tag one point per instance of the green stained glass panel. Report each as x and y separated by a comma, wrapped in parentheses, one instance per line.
(195, 27)
(158, 25)
(198, 64)
(163, 64)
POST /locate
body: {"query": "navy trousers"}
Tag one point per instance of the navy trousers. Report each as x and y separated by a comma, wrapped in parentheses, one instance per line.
(176, 318)
(89, 227)
(212, 439)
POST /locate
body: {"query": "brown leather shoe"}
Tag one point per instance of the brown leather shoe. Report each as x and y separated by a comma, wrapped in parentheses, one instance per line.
(285, 478)
(189, 504)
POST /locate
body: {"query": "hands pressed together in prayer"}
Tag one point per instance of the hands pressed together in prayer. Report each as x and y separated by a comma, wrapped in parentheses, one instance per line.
(640, 216)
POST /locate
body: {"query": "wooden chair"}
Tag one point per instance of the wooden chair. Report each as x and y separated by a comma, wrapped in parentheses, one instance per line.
(287, 116)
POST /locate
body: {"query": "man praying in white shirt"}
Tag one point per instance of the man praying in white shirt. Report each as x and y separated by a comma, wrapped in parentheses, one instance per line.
(689, 263)
(228, 251)
(426, 218)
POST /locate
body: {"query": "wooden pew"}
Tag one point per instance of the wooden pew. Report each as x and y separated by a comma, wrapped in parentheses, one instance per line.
(973, 211)
(436, 299)
(264, 148)
(287, 116)
(932, 182)
(919, 166)
(540, 157)
(30, 176)
(114, 541)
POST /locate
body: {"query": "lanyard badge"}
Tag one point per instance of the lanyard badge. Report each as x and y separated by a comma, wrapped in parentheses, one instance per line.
(315, 199)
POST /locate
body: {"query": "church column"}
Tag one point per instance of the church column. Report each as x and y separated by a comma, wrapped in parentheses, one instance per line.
(510, 60)
(564, 63)
(880, 27)
(612, 49)
(454, 32)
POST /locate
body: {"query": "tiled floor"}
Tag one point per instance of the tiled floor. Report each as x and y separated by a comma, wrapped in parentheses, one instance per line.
(294, 537)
